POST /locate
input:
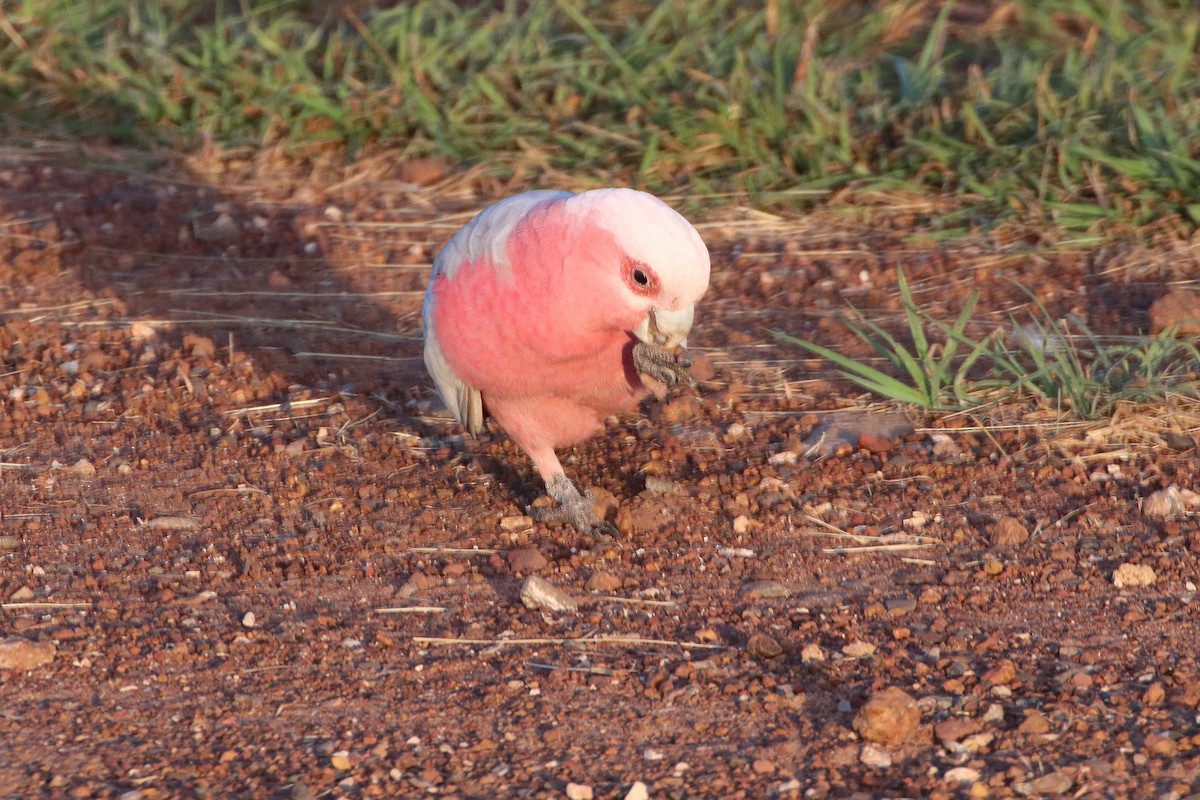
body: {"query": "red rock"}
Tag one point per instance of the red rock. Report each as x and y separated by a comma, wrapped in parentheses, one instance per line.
(1035, 722)
(876, 444)
(1001, 675)
(956, 728)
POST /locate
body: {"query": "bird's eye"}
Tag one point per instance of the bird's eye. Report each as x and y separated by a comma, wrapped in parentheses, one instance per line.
(641, 278)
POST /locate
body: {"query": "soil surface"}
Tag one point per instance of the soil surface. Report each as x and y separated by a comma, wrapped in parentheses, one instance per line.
(244, 552)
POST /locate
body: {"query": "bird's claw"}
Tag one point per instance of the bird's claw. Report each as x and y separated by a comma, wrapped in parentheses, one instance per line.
(574, 507)
(664, 367)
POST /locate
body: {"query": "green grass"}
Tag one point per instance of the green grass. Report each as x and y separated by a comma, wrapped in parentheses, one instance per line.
(1059, 363)
(933, 378)
(1079, 113)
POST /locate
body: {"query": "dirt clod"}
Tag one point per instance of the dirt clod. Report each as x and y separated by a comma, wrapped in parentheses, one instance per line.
(1134, 575)
(890, 716)
(526, 559)
(19, 653)
(1179, 307)
(1009, 532)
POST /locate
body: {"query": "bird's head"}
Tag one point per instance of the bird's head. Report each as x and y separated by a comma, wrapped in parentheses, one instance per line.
(657, 266)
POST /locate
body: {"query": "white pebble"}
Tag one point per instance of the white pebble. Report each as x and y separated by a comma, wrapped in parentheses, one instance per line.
(875, 756)
(638, 792)
(961, 775)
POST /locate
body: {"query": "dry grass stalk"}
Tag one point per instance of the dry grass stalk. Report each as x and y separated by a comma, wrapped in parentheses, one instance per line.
(614, 639)
(411, 610)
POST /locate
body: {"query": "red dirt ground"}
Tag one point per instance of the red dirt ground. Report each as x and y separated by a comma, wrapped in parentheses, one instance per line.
(231, 507)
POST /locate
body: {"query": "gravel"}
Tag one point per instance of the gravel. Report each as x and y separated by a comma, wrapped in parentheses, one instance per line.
(167, 331)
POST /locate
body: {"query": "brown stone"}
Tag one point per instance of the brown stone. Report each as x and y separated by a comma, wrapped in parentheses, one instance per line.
(890, 716)
(1009, 532)
(763, 646)
(1035, 722)
(19, 653)
(1001, 675)
(956, 728)
(526, 559)
(603, 582)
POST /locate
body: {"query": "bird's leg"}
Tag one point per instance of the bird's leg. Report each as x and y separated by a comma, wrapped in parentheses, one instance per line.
(575, 507)
(667, 368)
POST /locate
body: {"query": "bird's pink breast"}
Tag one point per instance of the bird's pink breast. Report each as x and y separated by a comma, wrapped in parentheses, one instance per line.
(516, 335)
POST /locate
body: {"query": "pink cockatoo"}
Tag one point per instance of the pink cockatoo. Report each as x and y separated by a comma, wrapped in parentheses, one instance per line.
(547, 309)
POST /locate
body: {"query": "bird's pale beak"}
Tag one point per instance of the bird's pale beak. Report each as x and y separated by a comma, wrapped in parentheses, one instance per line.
(666, 329)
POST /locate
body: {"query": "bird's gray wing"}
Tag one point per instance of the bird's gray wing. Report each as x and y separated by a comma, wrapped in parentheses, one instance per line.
(465, 402)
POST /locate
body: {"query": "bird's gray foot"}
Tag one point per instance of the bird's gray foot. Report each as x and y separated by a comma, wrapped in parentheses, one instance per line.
(662, 366)
(575, 507)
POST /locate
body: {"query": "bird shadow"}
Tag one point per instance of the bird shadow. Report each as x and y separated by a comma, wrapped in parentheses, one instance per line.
(272, 285)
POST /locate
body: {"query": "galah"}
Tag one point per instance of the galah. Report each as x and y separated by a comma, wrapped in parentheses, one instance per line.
(551, 310)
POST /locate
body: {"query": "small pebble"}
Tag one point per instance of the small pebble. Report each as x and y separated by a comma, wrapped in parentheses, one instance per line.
(875, 756)
(638, 792)
(526, 559)
(519, 522)
(603, 582)
(1035, 722)
(765, 589)
(579, 791)
(961, 775)
(1050, 783)
(249, 620)
(537, 593)
(955, 728)
(1009, 532)
(661, 486)
(812, 653)
(944, 446)
(761, 645)
(859, 649)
